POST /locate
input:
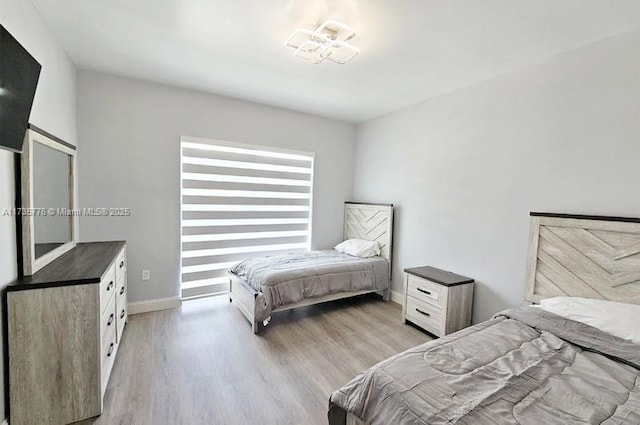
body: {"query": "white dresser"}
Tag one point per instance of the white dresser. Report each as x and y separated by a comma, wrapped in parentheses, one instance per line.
(65, 324)
(438, 301)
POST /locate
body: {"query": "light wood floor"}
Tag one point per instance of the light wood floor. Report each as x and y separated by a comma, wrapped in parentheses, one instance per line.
(201, 364)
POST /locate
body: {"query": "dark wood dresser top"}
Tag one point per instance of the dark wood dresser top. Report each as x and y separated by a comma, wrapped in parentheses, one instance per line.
(442, 277)
(86, 263)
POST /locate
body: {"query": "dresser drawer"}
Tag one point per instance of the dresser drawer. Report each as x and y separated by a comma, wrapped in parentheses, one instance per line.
(121, 306)
(108, 320)
(426, 291)
(425, 315)
(121, 292)
(108, 355)
(122, 319)
(107, 287)
(121, 263)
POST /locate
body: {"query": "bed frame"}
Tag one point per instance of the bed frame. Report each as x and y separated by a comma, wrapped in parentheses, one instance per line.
(583, 256)
(361, 221)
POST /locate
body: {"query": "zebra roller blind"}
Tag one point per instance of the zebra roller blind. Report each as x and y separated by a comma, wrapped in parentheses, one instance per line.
(239, 201)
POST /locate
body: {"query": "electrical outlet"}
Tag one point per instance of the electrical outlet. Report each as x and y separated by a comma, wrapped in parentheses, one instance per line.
(146, 274)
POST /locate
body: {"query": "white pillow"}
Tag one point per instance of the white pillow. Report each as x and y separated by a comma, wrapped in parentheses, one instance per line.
(359, 248)
(619, 319)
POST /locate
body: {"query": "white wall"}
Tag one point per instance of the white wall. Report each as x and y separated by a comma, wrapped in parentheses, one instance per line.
(466, 168)
(54, 110)
(130, 157)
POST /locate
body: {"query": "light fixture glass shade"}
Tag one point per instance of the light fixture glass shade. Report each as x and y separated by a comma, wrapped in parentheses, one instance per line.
(310, 51)
(299, 37)
(340, 31)
(327, 41)
(339, 52)
(310, 46)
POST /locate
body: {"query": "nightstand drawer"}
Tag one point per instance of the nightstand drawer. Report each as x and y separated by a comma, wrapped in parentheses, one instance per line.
(425, 315)
(437, 300)
(426, 291)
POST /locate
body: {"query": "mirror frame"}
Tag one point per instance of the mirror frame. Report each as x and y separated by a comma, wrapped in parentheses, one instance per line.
(31, 264)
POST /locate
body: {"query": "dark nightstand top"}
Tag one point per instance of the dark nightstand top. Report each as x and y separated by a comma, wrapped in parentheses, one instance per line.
(442, 277)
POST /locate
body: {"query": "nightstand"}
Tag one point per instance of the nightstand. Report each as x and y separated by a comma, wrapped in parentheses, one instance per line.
(436, 300)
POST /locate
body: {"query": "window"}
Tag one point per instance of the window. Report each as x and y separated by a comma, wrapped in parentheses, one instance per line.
(239, 201)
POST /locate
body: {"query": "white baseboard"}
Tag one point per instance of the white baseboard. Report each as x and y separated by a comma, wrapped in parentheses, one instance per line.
(5, 422)
(397, 297)
(153, 305)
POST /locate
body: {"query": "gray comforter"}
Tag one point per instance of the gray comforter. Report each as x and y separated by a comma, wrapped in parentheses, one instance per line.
(525, 366)
(280, 280)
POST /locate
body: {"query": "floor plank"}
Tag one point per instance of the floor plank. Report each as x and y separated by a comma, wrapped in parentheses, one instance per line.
(201, 364)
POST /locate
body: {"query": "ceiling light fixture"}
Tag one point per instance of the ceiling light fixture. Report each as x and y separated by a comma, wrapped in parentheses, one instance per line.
(328, 41)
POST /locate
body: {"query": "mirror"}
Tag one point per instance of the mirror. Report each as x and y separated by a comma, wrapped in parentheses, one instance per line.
(51, 194)
(48, 199)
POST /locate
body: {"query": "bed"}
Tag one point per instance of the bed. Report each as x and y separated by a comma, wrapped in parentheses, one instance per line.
(527, 365)
(265, 285)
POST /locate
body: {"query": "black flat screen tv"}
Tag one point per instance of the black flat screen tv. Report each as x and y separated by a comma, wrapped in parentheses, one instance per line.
(19, 73)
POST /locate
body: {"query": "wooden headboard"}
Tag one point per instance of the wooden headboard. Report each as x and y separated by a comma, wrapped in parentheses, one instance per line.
(373, 222)
(584, 256)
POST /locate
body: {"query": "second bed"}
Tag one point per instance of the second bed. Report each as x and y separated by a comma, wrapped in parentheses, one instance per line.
(263, 285)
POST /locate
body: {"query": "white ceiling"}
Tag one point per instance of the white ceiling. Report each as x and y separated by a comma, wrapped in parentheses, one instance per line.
(411, 50)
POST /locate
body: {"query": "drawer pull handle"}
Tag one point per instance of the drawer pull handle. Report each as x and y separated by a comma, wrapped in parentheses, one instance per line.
(423, 312)
(122, 313)
(122, 290)
(122, 264)
(110, 352)
(110, 321)
(110, 285)
(424, 291)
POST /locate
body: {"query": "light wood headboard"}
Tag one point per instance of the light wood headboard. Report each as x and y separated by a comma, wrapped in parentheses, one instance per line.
(372, 222)
(584, 256)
